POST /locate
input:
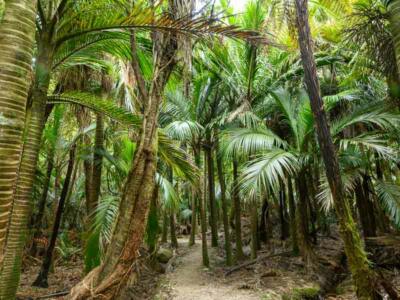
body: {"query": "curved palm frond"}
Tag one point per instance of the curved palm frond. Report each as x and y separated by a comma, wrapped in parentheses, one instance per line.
(389, 196)
(246, 142)
(184, 131)
(170, 198)
(98, 104)
(267, 171)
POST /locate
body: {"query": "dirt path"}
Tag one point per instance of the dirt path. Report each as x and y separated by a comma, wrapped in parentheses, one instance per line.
(191, 281)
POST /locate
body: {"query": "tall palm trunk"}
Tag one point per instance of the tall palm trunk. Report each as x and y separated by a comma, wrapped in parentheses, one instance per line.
(362, 275)
(193, 219)
(238, 212)
(394, 12)
(93, 178)
(116, 270)
(17, 31)
(211, 195)
(164, 236)
(41, 280)
(37, 225)
(34, 126)
(224, 204)
(292, 214)
(254, 229)
(203, 216)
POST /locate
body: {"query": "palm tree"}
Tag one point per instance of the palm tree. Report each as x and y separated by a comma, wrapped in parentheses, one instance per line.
(363, 276)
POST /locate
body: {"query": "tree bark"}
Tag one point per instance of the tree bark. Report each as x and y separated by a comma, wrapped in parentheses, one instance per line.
(363, 277)
(41, 280)
(365, 209)
(164, 237)
(238, 212)
(20, 212)
(211, 194)
(292, 214)
(172, 228)
(116, 271)
(254, 230)
(224, 204)
(17, 32)
(203, 214)
(193, 220)
(37, 225)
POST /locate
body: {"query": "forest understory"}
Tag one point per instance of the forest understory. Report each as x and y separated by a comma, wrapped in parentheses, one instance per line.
(275, 274)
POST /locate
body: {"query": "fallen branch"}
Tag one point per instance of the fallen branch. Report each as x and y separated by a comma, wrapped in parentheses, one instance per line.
(252, 262)
(57, 294)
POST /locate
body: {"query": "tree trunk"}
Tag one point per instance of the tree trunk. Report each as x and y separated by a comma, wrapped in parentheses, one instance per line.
(283, 214)
(238, 214)
(20, 212)
(152, 230)
(264, 220)
(292, 214)
(164, 237)
(363, 277)
(41, 280)
(302, 220)
(203, 214)
(18, 26)
(193, 220)
(254, 230)
(211, 195)
(116, 271)
(394, 13)
(97, 164)
(93, 186)
(224, 204)
(364, 207)
(172, 228)
(37, 225)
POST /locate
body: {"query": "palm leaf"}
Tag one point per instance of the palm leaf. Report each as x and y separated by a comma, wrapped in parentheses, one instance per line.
(389, 197)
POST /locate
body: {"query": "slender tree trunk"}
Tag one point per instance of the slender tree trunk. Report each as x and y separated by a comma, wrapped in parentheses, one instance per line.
(193, 219)
(164, 237)
(152, 231)
(41, 280)
(224, 204)
(211, 195)
(364, 207)
(93, 178)
(203, 214)
(394, 13)
(238, 214)
(172, 228)
(37, 225)
(97, 164)
(283, 214)
(264, 221)
(362, 275)
(292, 213)
(254, 230)
(302, 220)
(17, 32)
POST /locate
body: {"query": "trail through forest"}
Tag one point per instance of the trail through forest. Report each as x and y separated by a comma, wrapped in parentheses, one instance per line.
(190, 281)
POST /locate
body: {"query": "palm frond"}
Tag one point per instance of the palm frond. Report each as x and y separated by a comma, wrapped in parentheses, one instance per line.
(267, 171)
(389, 197)
(98, 104)
(247, 142)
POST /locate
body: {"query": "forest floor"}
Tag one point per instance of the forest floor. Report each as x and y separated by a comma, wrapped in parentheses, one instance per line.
(189, 280)
(273, 275)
